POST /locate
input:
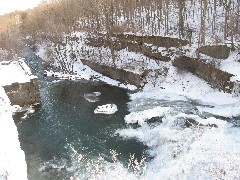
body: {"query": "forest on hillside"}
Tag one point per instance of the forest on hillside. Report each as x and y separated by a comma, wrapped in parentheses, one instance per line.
(204, 21)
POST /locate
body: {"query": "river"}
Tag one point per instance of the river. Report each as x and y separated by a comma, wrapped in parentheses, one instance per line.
(64, 139)
(65, 122)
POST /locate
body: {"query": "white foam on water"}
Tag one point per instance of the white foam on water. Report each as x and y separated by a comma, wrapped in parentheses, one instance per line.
(84, 167)
(141, 117)
(208, 149)
(197, 152)
(229, 110)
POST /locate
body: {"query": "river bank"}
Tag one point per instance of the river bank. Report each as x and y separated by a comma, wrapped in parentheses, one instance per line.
(196, 130)
(12, 157)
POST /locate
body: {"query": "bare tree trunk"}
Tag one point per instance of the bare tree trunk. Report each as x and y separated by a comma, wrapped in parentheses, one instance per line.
(166, 17)
(159, 15)
(214, 17)
(181, 4)
(227, 5)
(203, 18)
(238, 17)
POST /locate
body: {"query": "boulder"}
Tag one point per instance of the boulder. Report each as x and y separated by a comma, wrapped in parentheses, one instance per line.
(215, 51)
(215, 77)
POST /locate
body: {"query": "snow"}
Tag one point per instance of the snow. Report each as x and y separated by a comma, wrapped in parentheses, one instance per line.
(63, 76)
(106, 109)
(141, 117)
(232, 65)
(14, 71)
(84, 72)
(12, 158)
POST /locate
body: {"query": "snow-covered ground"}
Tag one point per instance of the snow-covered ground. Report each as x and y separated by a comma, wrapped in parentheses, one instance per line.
(12, 158)
(14, 71)
(232, 65)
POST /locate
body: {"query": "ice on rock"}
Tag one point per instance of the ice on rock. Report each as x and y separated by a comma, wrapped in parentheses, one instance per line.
(15, 71)
(97, 93)
(64, 76)
(142, 116)
(106, 109)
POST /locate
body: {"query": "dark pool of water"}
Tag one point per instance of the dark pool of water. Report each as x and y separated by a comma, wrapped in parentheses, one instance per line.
(65, 117)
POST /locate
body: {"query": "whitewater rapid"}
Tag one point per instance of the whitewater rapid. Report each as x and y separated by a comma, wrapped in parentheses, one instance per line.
(189, 139)
(184, 142)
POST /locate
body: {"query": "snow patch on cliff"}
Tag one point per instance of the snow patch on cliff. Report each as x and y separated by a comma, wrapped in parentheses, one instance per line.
(12, 158)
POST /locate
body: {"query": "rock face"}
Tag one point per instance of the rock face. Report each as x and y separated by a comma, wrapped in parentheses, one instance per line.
(137, 44)
(146, 44)
(215, 51)
(147, 51)
(118, 74)
(154, 40)
(19, 84)
(23, 94)
(215, 77)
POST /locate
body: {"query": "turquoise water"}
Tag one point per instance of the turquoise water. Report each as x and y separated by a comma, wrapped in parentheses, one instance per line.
(65, 125)
(66, 119)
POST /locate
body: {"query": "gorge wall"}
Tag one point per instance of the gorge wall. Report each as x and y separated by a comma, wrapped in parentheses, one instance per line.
(215, 77)
(118, 74)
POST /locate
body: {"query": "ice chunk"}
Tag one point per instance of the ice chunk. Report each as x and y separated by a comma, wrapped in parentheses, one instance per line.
(106, 109)
(91, 97)
(142, 116)
(97, 93)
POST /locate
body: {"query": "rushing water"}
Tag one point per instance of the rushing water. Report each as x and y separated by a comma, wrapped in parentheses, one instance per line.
(66, 119)
(65, 122)
(64, 139)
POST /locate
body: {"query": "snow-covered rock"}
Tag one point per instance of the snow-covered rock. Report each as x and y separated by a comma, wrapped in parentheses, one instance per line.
(15, 71)
(106, 109)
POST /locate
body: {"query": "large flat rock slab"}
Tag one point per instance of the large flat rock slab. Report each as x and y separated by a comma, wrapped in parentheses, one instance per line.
(137, 79)
(19, 84)
(215, 51)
